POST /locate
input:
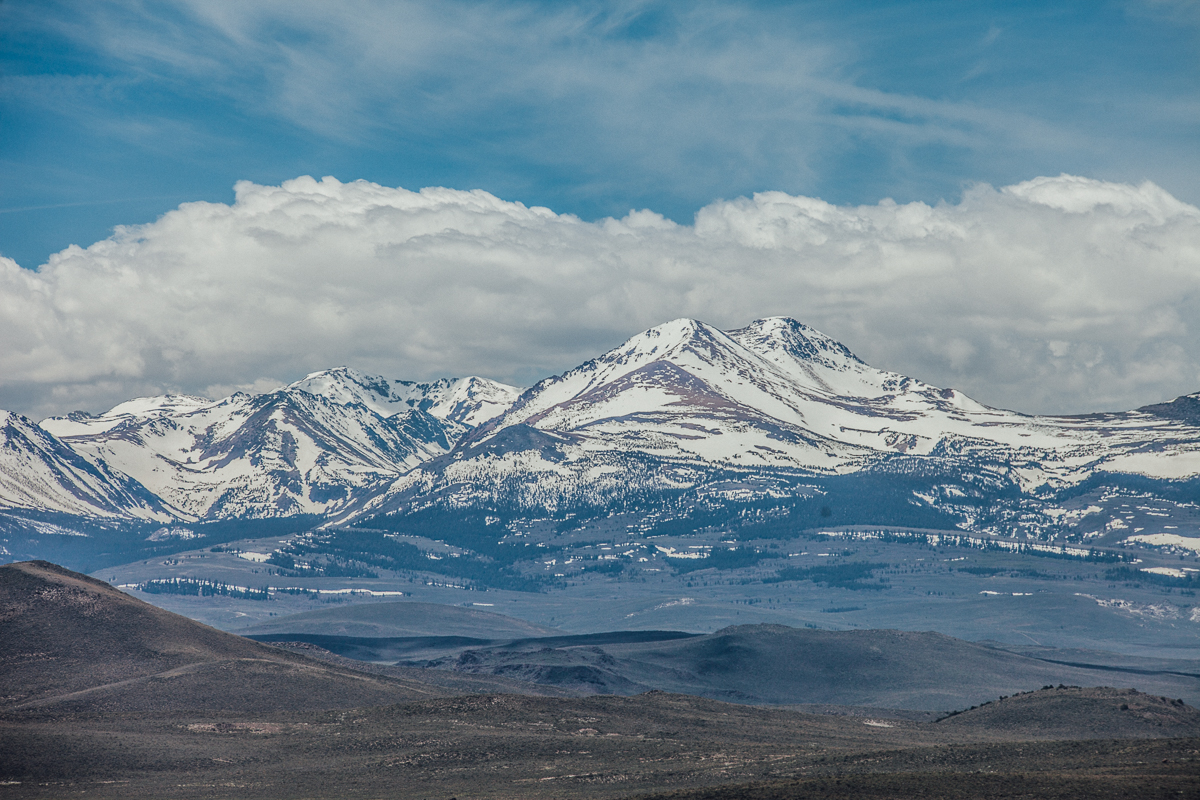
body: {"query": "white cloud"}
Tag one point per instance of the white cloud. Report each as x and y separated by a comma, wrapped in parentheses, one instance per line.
(1055, 295)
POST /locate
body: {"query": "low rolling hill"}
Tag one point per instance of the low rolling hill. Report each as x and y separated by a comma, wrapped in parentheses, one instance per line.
(780, 665)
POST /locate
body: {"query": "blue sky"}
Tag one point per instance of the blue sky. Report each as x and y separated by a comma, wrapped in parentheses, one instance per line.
(115, 112)
(1042, 252)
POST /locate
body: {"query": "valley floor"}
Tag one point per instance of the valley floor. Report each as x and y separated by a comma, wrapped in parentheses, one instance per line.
(605, 576)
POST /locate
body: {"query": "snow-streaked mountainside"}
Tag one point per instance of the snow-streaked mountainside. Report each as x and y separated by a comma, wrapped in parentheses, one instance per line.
(38, 471)
(81, 423)
(281, 453)
(678, 406)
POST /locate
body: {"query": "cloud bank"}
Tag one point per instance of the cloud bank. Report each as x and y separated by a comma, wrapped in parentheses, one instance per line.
(1054, 295)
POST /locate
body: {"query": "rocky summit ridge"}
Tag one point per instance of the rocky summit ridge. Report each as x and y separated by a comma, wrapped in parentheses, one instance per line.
(676, 408)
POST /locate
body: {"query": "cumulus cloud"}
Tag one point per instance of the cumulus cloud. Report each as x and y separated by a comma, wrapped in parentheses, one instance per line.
(1054, 295)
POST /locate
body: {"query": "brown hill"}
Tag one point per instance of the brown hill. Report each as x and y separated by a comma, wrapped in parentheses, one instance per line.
(508, 747)
(246, 720)
(69, 642)
(1072, 712)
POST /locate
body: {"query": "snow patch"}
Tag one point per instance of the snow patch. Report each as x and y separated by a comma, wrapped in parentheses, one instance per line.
(1167, 540)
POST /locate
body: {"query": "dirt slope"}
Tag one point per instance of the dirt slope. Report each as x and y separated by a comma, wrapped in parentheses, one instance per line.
(71, 642)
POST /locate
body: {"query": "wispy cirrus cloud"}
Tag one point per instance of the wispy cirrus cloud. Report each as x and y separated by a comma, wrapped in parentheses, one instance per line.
(693, 101)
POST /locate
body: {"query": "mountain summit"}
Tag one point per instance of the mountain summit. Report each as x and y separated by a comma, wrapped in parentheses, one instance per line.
(321, 445)
(467, 401)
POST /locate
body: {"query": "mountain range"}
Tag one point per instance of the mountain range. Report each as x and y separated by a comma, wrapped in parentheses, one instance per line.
(774, 409)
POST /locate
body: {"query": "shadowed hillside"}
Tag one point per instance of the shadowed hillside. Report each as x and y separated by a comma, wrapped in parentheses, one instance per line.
(522, 748)
(1068, 712)
(71, 642)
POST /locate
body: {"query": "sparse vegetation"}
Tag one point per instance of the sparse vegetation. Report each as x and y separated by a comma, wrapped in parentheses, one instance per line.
(1137, 576)
(349, 548)
(202, 588)
(723, 558)
(851, 575)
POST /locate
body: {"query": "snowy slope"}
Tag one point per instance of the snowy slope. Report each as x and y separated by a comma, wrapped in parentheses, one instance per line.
(81, 423)
(890, 411)
(39, 472)
(774, 393)
(322, 445)
(467, 401)
(277, 454)
(683, 390)
(778, 393)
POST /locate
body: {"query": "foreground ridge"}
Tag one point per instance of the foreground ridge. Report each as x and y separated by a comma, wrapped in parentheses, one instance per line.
(118, 699)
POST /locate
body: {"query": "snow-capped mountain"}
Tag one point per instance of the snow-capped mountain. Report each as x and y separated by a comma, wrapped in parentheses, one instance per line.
(39, 472)
(675, 407)
(675, 403)
(81, 423)
(321, 446)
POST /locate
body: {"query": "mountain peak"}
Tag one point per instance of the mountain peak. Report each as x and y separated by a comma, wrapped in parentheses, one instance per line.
(774, 393)
(345, 385)
(784, 334)
(681, 327)
(697, 387)
(665, 338)
(158, 405)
